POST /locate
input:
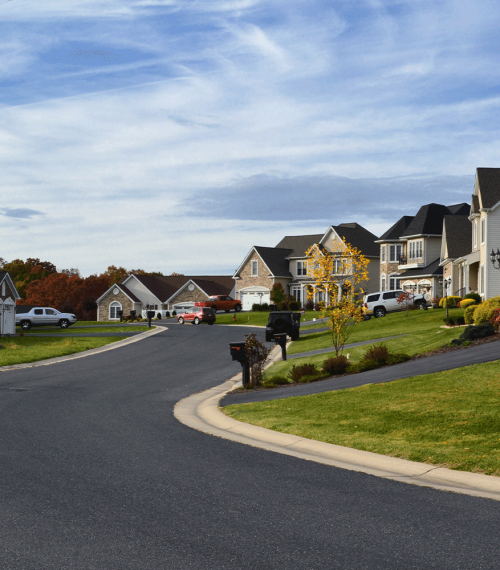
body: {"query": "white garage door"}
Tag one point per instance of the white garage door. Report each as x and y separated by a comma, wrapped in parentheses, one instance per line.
(250, 298)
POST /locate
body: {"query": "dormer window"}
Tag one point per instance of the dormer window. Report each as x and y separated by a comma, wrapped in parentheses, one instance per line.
(301, 268)
(416, 249)
(255, 268)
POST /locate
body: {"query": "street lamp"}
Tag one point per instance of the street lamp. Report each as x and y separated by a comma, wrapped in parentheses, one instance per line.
(495, 258)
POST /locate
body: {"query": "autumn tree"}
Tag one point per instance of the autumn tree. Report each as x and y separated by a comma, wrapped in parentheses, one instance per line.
(338, 274)
(277, 295)
(25, 272)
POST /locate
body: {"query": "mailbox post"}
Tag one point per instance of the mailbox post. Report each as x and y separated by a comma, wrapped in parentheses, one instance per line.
(280, 339)
(150, 315)
(120, 314)
(239, 353)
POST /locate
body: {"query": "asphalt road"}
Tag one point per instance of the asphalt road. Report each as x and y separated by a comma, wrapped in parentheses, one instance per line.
(96, 473)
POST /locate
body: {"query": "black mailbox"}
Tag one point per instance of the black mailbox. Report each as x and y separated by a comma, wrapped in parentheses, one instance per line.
(133, 313)
(238, 351)
(280, 339)
(150, 314)
(120, 315)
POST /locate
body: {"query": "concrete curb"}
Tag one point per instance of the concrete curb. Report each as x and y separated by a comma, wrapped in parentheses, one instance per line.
(201, 412)
(91, 352)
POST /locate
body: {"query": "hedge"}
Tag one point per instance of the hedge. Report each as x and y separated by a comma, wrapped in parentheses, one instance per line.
(485, 310)
(450, 302)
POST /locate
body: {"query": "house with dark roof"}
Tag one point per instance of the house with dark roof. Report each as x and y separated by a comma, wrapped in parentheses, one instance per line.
(287, 264)
(475, 270)
(411, 260)
(455, 244)
(8, 298)
(141, 293)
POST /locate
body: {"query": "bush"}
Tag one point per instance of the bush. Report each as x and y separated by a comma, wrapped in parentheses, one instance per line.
(256, 307)
(167, 314)
(398, 358)
(459, 321)
(336, 365)
(298, 373)
(473, 333)
(174, 313)
(283, 306)
(464, 303)
(365, 365)
(294, 306)
(474, 296)
(495, 319)
(265, 307)
(274, 381)
(377, 353)
(158, 315)
(485, 310)
(469, 314)
(309, 306)
(450, 321)
(450, 302)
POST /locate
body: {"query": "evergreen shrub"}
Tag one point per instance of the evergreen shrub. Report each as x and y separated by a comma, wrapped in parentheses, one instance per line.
(450, 302)
(336, 365)
(464, 303)
(485, 310)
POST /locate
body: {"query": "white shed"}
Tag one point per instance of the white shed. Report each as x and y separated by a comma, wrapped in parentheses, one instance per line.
(7, 317)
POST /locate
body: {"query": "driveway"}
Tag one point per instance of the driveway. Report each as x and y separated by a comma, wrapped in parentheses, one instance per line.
(96, 473)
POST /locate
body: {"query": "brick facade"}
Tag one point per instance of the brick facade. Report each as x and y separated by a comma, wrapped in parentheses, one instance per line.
(126, 303)
(259, 280)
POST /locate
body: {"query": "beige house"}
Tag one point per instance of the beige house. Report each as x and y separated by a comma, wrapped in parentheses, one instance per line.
(141, 293)
(287, 264)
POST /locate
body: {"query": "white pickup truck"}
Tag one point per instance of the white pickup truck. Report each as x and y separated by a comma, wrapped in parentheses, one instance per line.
(27, 317)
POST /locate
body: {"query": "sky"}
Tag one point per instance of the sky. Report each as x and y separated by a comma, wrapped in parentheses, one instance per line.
(173, 135)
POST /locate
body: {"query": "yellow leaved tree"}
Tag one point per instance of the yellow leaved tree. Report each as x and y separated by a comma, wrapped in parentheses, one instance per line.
(337, 275)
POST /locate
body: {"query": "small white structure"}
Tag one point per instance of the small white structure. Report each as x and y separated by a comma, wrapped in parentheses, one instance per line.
(7, 317)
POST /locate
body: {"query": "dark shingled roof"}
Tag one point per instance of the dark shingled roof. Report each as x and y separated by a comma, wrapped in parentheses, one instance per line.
(489, 186)
(462, 209)
(394, 232)
(2, 275)
(474, 209)
(129, 293)
(458, 235)
(164, 287)
(428, 221)
(433, 269)
(298, 245)
(276, 259)
(360, 238)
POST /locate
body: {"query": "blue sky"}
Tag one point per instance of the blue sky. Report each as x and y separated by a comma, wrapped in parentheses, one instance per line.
(173, 135)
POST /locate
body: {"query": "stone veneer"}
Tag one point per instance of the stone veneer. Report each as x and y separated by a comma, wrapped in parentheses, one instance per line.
(126, 303)
(260, 280)
(189, 296)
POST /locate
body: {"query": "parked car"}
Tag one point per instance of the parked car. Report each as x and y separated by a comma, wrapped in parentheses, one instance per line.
(283, 322)
(27, 317)
(197, 315)
(221, 303)
(382, 302)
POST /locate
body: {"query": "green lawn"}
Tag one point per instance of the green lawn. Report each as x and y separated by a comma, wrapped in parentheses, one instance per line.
(81, 330)
(450, 419)
(422, 330)
(254, 319)
(18, 350)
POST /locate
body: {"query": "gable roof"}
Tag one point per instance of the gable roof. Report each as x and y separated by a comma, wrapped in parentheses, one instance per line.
(428, 221)
(397, 230)
(488, 180)
(359, 237)
(298, 245)
(276, 259)
(474, 208)
(124, 290)
(458, 233)
(165, 287)
(5, 276)
(459, 209)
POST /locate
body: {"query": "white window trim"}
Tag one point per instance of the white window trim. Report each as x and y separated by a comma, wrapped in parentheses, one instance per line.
(383, 253)
(475, 234)
(383, 282)
(255, 264)
(483, 230)
(117, 306)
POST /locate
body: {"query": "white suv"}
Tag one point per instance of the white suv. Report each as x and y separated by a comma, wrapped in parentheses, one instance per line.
(382, 302)
(27, 317)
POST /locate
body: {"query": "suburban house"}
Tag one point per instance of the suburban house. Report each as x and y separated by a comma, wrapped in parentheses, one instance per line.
(410, 250)
(287, 264)
(475, 271)
(140, 293)
(455, 245)
(8, 298)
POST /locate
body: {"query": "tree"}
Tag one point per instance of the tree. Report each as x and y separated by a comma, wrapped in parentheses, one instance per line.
(277, 295)
(25, 272)
(406, 299)
(338, 274)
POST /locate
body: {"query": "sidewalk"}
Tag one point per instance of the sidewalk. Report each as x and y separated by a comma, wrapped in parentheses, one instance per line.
(201, 411)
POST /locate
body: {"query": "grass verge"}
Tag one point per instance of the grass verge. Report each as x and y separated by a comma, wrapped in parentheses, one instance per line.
(450, 419)
(81, 330)
(19, 350)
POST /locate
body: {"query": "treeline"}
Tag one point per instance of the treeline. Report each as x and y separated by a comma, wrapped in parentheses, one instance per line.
(40, 283)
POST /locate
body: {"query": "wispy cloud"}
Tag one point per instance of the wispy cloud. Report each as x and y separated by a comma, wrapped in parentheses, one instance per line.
(20, 213)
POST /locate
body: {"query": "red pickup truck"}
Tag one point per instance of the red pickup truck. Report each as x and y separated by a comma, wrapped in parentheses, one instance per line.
(221, 303)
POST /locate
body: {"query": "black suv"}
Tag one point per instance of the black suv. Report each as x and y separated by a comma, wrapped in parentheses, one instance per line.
(283, 322)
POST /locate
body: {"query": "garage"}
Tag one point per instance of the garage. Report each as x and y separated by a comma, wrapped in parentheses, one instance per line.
(254, 296)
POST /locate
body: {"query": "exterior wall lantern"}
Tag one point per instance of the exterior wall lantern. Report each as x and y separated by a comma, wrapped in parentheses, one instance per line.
(495, 258)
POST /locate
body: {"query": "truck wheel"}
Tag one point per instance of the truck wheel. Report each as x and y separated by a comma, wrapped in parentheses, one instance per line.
(181, 321)
(379, 312)
(196, 321)
(237, 308)
(64, 323)
(25, 325)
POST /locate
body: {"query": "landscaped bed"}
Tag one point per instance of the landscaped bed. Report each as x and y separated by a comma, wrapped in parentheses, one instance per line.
(450, 419)
(18, 350)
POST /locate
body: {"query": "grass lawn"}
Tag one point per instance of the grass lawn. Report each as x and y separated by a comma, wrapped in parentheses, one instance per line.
(76, 329)
(422, 329)
(254, 319)
(450, 419)
(18, 350)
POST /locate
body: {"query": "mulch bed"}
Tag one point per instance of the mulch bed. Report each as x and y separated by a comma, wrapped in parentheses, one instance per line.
(442, 350)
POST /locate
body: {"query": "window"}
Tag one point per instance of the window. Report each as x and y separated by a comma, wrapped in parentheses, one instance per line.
(483, 232)
(382, 253)
(394, 282)
(390, 295)
(296, 292)
(416, 249)
(337, 266)
(301, 268)
(38, 311)
(49, 312)
(255, 267)
(382, 283)
(395, 252)
(113, 310)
